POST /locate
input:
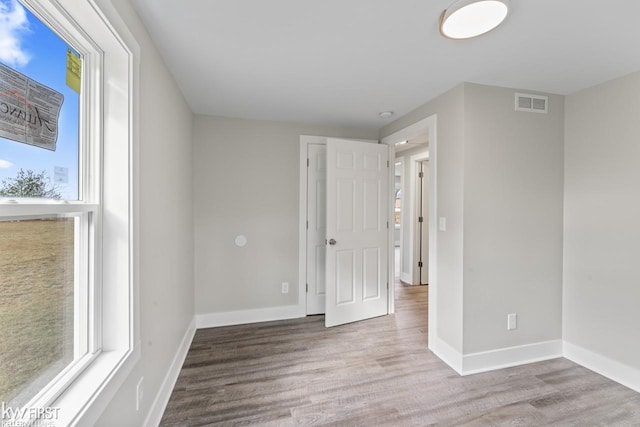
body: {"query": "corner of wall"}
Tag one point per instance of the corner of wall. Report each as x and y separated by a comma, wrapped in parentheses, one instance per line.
(161, 400)
(626, 375)
(446, 353)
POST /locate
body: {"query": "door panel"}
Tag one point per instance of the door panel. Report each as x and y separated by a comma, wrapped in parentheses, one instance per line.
(357, 211)
(345, 285)
(371, 268)
(371, 202)
(320, 287)
(345, 204)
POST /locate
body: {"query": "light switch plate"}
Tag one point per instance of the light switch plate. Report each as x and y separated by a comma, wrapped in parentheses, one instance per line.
(512, 321)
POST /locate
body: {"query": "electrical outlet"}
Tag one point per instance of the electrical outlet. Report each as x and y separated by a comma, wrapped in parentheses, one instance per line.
(512, 321)
(285, 287)
(139, 393)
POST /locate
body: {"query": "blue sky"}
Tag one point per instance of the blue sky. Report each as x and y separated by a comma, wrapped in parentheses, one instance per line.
(30, 47)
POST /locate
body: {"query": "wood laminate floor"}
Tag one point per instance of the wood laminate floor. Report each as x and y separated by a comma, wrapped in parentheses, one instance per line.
(376, 373)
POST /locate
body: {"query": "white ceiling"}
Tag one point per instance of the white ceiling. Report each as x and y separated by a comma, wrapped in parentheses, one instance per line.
(344, 61)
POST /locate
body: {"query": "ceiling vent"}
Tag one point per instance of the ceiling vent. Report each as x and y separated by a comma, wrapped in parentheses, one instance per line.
(532, 103)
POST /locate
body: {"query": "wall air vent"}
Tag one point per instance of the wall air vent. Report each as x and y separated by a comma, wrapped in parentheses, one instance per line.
(532, 103)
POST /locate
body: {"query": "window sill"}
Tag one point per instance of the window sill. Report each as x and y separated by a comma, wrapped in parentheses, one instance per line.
(88, 396)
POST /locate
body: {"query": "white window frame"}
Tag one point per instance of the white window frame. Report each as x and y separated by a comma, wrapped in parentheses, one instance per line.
(108, 113)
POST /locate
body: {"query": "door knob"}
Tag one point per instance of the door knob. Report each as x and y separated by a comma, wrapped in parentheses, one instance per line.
(332, 242)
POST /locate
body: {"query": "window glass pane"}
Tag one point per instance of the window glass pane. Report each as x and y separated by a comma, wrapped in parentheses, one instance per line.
(39, 108)
(37, 271)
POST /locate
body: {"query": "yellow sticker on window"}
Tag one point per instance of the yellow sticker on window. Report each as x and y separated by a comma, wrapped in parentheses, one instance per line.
(74, 70)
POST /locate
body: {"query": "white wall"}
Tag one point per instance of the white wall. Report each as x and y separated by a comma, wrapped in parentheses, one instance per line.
(449, 108)
(513, 179)
(499, 186)
(246, 175)
(602, 221)
(166, 228)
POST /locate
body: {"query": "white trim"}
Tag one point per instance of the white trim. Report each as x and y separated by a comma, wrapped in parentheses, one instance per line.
(511, 356)
(403, 207)
(404, 277)
(446, 353)
(302, 225)
(428, 124)
(411, 131)
(113, 118)
(432, 122)
(391, 238)
(162, 397)
(31, 209)
(605, 366)
(241, 317)
(83, 403)
(305, 140)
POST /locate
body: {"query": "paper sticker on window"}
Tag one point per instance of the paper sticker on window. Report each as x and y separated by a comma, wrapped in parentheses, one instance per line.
(74, 69)
(60, 175)
(29, 110)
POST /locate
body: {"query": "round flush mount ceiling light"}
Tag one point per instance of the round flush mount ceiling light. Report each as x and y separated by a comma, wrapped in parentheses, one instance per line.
(470, 18)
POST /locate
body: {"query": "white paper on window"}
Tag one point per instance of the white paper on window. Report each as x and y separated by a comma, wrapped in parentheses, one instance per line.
(29, 110)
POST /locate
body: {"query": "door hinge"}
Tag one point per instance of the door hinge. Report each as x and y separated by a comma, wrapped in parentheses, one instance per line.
(387, 163)
(307, 287)
(420, 219)
(420, 264)
(387, 285)
(307, 225)
(307, 162)
(387, 224)
(421, 175)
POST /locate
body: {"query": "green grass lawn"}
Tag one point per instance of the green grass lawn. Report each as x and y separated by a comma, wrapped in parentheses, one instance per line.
(36, 301)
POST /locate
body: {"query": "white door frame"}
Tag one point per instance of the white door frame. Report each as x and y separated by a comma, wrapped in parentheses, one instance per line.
(429, 125)
(403, 207)
(305, 141)
(413, 206)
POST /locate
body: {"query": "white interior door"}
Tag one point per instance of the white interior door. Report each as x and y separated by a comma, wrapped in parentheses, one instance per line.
(316, 227)
(357, 233)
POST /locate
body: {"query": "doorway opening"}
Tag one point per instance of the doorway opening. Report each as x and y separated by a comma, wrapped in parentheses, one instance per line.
(422, 212)
(344, 243)
(412, 166)
(415, 150)
(406, 156)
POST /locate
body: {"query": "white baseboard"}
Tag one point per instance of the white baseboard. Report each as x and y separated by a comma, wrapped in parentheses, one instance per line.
(405, 277)
(446, 353)
(496, 359)
(511, 356)
(612, 369)
(241, 317)
(521, 355)
(162, 397)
